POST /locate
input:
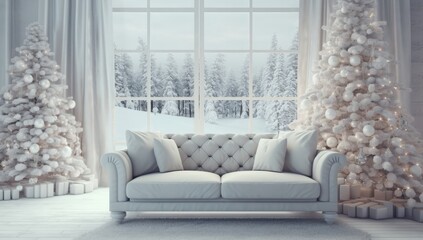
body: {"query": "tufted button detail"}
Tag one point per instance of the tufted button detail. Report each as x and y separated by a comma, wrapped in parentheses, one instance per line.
(220, 146)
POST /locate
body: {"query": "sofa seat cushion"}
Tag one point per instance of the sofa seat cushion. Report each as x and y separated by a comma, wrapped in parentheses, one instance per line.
(269, 185)
(175, 185)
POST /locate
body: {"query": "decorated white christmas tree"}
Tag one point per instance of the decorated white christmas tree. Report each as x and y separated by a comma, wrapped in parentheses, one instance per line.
(354, 103)
(38, 137)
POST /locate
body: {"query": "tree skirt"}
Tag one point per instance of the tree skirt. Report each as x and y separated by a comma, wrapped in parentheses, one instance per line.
(198, 229)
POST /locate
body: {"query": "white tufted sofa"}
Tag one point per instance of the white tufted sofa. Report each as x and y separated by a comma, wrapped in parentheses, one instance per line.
(217, 176)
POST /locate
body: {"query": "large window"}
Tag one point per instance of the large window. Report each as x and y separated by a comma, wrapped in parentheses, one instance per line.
(205, 66)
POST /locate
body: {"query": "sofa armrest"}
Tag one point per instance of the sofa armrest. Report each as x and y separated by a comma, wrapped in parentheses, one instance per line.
(326, 166)
(119, 168)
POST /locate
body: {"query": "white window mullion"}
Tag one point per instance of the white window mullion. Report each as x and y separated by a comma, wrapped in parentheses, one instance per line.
(197, 70)
(201, 89)
(250, 72)
(148, 70)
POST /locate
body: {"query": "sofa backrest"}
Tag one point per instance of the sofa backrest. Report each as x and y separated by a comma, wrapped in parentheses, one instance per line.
(218, 153)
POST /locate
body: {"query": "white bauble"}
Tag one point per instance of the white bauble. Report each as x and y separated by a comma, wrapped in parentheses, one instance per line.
(396, 141)
(344, 53)
(416, 170)
(72, 104)
(410, 193)
(20, 167)
(7, 96)
(305, 104)
(398, 193)
(54, 164)
(20, 136)
(34, 148)
(46, 168)
(377, 160)
(389, 184)
(388, 166)
(19, 188)
(344, 73)
(20, 65)
(361, 39)
(333, 61)
(28, 78)
(332, 142)
(352, 177)
(66, 152)
(379, 186)
(348, 96)
(33, 180)
(45, 83)
(46, 157)
(330, 114)
(368, 130)
(391, 177)
(355, 60)
(39, 123)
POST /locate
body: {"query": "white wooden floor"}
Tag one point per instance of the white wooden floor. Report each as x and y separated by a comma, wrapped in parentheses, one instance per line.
(67, 217)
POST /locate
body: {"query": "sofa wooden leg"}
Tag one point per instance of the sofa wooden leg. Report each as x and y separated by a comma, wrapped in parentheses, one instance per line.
(330, 217)
(117, 216)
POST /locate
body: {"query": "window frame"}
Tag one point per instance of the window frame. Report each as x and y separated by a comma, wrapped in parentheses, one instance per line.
(199, 97)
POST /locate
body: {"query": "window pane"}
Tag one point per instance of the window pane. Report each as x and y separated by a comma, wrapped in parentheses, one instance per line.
(226, 31)
(273, 116)
(130, 74)
(226, 116)
(275, 75)
(129, 115)
(172, 3)
(270, 36)
(172, 75)
(227, 3)
(173, 31)
(276, 3)
(129, 3)
(128, 28)
(172, 116)
(226, 74)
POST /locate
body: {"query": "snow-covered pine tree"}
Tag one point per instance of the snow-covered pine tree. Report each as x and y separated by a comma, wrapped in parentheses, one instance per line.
(121, 83)
(292, 70)
(267, 78)
(38, 137)
(244, 87)
(171, 107)
(138, 85)
(258, 106)
(187, 80)
(354, 104)
(232, 108)
(274, 108)
(215, 81)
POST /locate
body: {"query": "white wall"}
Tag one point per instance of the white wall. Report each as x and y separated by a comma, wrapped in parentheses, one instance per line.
(416, 95)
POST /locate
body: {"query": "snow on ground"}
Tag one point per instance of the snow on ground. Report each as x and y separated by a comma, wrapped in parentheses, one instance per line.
(128, 119)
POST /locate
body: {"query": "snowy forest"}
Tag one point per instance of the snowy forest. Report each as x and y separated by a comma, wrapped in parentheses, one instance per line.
(277, 78)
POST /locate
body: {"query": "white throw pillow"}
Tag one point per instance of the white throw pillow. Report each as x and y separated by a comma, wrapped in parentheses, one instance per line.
(141, 152)
(167, 155)
(270, 155)
(301, 150)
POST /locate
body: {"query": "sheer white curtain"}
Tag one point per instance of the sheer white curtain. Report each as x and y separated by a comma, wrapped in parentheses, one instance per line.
(316, 13)
(80, 32)
(398, 34)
